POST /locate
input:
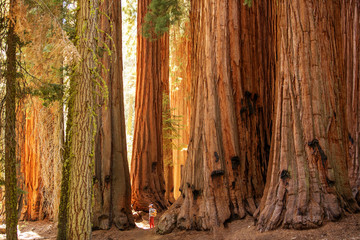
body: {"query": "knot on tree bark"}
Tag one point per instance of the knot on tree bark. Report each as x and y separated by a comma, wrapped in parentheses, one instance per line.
(315, 144)
(235, 162)
(284, 174)
(217, 173)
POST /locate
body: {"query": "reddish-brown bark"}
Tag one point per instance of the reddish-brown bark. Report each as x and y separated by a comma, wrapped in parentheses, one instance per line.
(147, 171)
(351, 33)
(30, 165)
(223, 175)
(38, 130)
(112, 192)
(307, 181)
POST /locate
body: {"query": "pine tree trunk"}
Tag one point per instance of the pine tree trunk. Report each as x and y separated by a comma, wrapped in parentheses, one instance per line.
(351, 33)
(82, 142)
(65, 172)
(147, 171)
(10, 143)
(307, 178)
(112, 190)
(223, 175)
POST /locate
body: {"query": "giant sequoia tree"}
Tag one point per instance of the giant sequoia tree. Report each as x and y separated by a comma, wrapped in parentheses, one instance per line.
(39, 117)
(230, 127)
(307, 180)
(112, 181)
(147, 171)
(351, 33)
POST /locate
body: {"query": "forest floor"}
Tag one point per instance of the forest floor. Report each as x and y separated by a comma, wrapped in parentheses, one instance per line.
(347, 228)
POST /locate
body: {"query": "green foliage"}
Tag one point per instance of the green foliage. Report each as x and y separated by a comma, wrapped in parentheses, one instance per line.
(49, 92)
(129, 11)
(161, 15)
(171, 128)
(248, 3)
(68, 18)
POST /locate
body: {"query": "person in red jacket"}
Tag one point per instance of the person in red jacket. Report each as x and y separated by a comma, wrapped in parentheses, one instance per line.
(152, 215)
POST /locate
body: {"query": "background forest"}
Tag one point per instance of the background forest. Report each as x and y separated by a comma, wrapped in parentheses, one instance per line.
(210, 110)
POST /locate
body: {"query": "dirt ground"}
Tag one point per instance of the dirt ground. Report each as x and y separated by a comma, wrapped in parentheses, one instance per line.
(346, 228)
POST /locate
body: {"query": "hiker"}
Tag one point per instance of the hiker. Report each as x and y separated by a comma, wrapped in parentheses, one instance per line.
(152, 215)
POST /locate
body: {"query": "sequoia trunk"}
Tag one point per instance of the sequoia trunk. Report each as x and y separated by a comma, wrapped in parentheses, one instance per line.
(40, 162)
(351, 33)
(307, 178)
(147, 171)
(229, 131)
(112, 193)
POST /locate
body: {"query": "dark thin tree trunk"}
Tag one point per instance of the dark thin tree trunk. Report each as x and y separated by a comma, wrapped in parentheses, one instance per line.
(10, 142)
(65, 180)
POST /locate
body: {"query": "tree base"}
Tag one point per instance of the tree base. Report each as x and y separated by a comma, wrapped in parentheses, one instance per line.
(287, 215)
(168, 221)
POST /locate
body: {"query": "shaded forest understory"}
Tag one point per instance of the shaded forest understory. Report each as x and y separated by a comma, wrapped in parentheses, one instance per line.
(234, 110)
(347, 228)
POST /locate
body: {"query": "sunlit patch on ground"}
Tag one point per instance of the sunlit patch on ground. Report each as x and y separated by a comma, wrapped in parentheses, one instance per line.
(23, 235)
(141, 219)
(143, 225)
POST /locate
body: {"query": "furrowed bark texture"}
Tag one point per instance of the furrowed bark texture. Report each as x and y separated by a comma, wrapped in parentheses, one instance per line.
(180, 100)
(112, 192)
(307, 180)
(147, 171)
(82, 142)
(224, 172)
(10, 139)
(39, 137)
(351, 33)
